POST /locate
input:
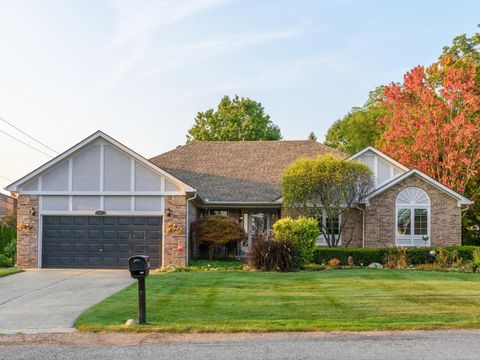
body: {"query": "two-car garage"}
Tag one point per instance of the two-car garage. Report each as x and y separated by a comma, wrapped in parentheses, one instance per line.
(99, 241)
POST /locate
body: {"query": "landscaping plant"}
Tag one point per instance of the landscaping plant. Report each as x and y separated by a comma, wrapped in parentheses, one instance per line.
(274, 255)
(301, 232)
(475, 263)
(8, 243)
(326, 186)
(217, 230)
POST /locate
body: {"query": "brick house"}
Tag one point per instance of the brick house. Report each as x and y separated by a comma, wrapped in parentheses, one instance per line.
(99, 202)
(8, 205)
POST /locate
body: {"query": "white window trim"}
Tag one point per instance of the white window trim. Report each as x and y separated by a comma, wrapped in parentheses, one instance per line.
(321, 240)
(412, 237)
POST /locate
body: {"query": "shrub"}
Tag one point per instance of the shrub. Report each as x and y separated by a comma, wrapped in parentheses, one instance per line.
(217, 230)
(8, 244)
(5, 261)
(475, 262)
(414, 256)
(274, 255)
(396, 258)
(334, 262)
(359, 256)
(302, 232)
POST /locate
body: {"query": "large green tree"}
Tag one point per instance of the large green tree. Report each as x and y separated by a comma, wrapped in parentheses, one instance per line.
(326, 185)
(359, 128)
(235, 119)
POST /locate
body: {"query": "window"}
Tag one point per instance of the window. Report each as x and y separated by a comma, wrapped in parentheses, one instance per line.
(412, 218)
(328, 222)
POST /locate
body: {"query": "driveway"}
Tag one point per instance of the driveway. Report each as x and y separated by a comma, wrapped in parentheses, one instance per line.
(38, 301)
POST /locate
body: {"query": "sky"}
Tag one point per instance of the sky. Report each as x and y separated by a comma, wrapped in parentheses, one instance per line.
(141, 70)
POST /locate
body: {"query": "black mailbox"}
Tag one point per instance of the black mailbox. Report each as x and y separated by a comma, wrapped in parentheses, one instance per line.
(139, 266)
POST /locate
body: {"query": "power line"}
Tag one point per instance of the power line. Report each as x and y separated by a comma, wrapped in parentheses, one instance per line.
(31, 137)
(26, 144)
(6, 178)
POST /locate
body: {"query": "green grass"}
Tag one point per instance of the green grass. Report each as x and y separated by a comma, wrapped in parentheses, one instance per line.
(6, 272)
(307, 301)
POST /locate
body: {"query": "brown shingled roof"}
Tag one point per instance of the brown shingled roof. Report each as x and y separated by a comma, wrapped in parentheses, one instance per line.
(246, 171)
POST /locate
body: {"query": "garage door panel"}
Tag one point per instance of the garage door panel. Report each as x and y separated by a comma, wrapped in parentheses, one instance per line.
(79, 220)
(138, 235)
(109, 220)
(79, 260)
(64, 220)
(65, 247)
(94, 220)
(124, 221)
(95, 261)
(154, 221)
(108, 234)
(110, 261)
(153, 235)
(99, 242)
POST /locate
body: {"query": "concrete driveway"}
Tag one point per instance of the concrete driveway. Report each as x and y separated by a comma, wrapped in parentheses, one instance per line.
(38, 301)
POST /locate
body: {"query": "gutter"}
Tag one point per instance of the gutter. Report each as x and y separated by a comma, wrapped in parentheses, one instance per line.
(187, 231)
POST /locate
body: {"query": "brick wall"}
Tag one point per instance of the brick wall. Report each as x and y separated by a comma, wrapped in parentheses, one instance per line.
(352, 231)
(27, 239)
(174, 231)
(8, 205)
(445, 222)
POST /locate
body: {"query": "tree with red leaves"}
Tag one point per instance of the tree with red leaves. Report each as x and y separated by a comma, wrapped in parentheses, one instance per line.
(435, 125)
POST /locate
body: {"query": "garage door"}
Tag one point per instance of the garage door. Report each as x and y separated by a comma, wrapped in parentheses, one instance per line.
(99, 242)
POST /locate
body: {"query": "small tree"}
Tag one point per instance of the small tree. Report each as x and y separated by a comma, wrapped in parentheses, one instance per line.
(302, 232)
(325, 184)
(217, 230)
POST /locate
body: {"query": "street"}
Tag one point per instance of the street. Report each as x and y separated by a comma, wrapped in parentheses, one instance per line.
(461, 344)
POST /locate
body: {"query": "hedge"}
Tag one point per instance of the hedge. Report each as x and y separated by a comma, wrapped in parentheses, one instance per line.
(415, 256)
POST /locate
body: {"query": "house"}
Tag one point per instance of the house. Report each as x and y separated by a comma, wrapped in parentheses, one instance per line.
(8, 205)
(99, 202)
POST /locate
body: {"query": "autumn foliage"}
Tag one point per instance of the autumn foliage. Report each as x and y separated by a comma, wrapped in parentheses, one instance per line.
(217, 230)
(434, 122)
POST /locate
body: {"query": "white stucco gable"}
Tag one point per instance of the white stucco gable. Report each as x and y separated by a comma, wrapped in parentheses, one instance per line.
(384, 168)
(100, 173)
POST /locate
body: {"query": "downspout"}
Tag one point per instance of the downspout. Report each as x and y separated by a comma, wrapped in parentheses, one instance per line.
(363, 225)
(187, 231)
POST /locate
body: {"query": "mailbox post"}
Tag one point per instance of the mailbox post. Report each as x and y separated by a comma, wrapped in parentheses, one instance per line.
(139, 266)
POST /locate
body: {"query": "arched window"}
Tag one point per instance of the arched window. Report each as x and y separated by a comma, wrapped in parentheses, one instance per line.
(412, 225)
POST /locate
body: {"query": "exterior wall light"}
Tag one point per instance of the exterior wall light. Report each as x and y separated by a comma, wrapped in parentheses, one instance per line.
(33, 212)
(169, 212)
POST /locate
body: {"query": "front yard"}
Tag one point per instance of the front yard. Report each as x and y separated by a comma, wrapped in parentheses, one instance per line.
(307, 301)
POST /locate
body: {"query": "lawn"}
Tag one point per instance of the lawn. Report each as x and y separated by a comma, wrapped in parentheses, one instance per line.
(6, 272)
(306, 301)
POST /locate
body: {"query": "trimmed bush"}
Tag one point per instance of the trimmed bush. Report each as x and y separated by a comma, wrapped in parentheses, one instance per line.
(274, 255)
(359, 256)
(415, 255)
(217, 230)
(302, 232)
(5, 261)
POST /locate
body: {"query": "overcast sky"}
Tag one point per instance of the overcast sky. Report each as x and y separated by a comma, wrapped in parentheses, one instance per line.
(140, 70)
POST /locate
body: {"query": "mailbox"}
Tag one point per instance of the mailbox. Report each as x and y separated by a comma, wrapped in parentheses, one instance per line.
(139, 266)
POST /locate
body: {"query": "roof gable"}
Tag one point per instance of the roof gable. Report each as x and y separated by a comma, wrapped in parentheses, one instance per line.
(461, 200)
(86, 148)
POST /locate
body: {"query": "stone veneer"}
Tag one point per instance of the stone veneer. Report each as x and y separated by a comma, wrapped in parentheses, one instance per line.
(445, 216)
(27, 239)
(174, 233)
